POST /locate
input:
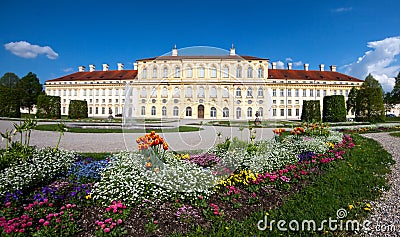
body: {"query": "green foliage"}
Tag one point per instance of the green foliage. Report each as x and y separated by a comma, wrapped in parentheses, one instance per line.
(29, 88)
(334, 109)
(369, 101)
(9, 80)
(77, 109)
(311, 111)
(48, 107)
(9, 103)
(351, 100)
(395, 94)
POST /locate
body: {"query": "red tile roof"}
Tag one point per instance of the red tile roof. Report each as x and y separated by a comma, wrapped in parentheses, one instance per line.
(236, 57)
(309, 75)
(98, 75)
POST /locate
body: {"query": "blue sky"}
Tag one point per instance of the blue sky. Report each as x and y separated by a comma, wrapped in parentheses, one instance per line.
(53, 38)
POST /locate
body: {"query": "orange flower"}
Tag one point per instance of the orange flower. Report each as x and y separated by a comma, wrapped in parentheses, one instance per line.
(149, 165)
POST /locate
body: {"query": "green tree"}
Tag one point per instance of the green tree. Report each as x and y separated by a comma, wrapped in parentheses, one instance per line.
(48, 107)
(77, 109)
(396, 90)
(9, 80)
(29, 88)
(311, 111)
(351, 100)
(369, 101)
(9, 103)
(334, 109)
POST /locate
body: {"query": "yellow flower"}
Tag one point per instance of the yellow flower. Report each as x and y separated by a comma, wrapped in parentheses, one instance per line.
(368, 205)
(367, 209)
(227, 227)
(88, 196)
(351, 207)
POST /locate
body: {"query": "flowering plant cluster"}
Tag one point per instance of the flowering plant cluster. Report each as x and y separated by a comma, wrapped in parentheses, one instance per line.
(151, 140)
(204, 160)
(87, 170)
(115, 213)
(186, 213)
(298, 131)
(153, 147)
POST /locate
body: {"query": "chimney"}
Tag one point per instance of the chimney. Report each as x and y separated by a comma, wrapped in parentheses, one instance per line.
(135, 66)
(333, 68)
(120, 66)
(289, 66)
(175, 51)
(232, 51)
(273, 65)
(81, 68)
(105, 67)
(91, 68)
(306, 66)
(321, 67)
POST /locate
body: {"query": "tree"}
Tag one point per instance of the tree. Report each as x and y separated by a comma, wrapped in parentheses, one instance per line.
(351, 100)
(77, 109)
(311, 111)
(29, 88)
(9, 103)
(389, 101)
(369, 101)
(396, 90)
(334, 109)
(48, 107)
(9, 80)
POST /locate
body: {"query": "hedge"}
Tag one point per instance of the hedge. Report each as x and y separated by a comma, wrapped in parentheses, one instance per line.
(48, 107)
(9, 103)
(334, 109)
(78, 109)
(311, 111)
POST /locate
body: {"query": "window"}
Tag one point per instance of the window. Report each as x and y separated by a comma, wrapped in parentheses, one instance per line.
(282, 92)
(103, 110)
(63, 110)
(282, 102)
(69, 92)
(177, 92)
(176, 111)
(282, 112)
(200, 92)
(154, 72)
(341, 92)
(297, 102)
(226, 72)
(154, 92)
(311, 92)
(153, 110)
(116, 110)
(260, 112)
(164, 92)
(117, 92)
(225, 92)
(103, 101)
(143, 92)
(188, 92)
(260, 72)
(249, 112)
(297, 112)
(165, 73)
(249, 92)
(289, 92)
(144, 72)
(213, 112)
(296, 92)
(289, 102)
(304, 93)
(189, 72)
(143, 111)
(318, 93)
(201, 72)
(260, 92)
(273, 92)
(177, 72)
(90, 110)
(238, 113)
(324, 93)
(347, 93)
(238, 72)
(188, 111)
(250, 72)
(289, 112)
(213, 92)
(84, 92)
(109, 92)
(164, 111)
(274, 112)
(75, 92)
(334, 92)
(274, 102)
(213, 72)
(225, 112)
(238, 92)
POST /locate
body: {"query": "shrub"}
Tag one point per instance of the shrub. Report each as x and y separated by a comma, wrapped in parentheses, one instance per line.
(9, 103)
(49, 107)
(311, 111)
(77, 109)
(334, 109)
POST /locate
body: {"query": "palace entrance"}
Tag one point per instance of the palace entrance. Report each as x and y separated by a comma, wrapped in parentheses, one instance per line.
(200, 111)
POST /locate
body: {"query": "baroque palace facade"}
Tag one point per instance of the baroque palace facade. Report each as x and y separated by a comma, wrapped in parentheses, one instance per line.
(223, 87)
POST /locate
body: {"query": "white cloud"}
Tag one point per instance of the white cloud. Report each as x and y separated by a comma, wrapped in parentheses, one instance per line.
(381, 61)
(289, 59)
(298, 63)
(70, 69)
(280, 65)
(24, 49)
(342, 9)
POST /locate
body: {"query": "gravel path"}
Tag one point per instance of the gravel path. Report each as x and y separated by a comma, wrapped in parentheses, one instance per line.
(385, 216)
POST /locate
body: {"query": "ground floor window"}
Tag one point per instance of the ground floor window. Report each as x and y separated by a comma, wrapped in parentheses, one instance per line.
(213, 112)
(225, 112)
(249, 112)
(143, 110)
(282, 112)
(297, 112)
(238, 113)
(90, 110)
(289, 112)
(274, 112)
(153, 110)
(176, 111)
(97, 110)
(164, 111)
(188, 111)
(103, 110)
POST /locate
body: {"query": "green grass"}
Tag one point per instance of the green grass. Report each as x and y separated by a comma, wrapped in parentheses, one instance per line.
(392, 119)
(395, 134)
(357, 178)
(52, 127)
(96, 156)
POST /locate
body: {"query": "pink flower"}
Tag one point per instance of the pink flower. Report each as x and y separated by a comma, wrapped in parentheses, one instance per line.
(41, 220)
(69, 206)
(107, 230)
(29, 224)
(115, 211)
(46, 223)
(58, 220)
(119, 221)
(103, 226)
(155, 222)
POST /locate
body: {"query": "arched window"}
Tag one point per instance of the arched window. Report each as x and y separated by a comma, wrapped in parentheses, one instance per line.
(249, 92)
(144, 72)
(238, 72)
(188, 92)
(225, 112)
(164, 92)
(250, 72)
(176, 111)
(249, 112)
(238, 92)
(143, 92)
(260, 72)
(213, 72)
(200, 92)
(238, 113)
(153, 110)
(226, 72)
(164, 111)
(225, 92)
(260, 92)
(154, 92)
(213, 112)
(143, 111)
(189, 72)
(165, 73)
(188, 111)
(154, 72)
(260, 112)
(201, 72)
(177, 92)
(177, 72)
(213, 92)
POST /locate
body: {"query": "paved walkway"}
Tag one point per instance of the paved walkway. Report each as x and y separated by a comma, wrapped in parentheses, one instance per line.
(386, 212)
(114, 142)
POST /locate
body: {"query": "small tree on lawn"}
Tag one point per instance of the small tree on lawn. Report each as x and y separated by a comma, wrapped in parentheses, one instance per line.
(334, 109)
(369, 101)
(48, 107)
(77, 109)
(311, 111)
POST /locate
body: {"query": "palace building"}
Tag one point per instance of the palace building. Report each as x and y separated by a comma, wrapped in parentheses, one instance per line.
(221, 87)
